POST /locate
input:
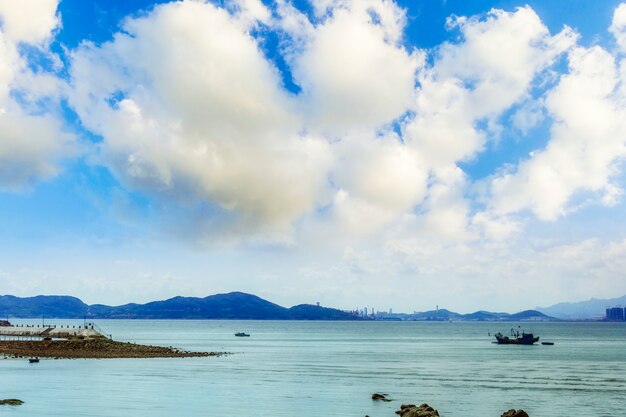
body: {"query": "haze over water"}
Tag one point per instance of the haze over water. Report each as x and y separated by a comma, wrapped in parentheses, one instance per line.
(330, 369)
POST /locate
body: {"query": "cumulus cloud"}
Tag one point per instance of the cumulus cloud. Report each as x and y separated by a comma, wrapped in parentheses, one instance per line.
(374, 136)
(31, 139)
(379, 180)
(503, 52)
(209, 123)
(360, 158)
(30, 21)
(618, 27)
(588, 139)
(352, 67)
(460, 99)
(213, 124)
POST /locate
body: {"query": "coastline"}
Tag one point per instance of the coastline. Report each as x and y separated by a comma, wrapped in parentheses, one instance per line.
(101, 348)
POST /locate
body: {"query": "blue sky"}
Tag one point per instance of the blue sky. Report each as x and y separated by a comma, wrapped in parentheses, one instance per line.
(359, 153)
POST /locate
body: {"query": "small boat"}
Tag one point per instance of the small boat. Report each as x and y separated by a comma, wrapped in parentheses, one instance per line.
(516, 338)
(547, 343)
(33, 360)
(242, 334)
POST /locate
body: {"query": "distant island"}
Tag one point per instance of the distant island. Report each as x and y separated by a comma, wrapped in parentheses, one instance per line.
(593, 309)
(447, 315)
(229, 306)
(234, 305)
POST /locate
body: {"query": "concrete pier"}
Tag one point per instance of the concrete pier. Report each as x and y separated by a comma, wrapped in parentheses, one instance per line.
(87, 331)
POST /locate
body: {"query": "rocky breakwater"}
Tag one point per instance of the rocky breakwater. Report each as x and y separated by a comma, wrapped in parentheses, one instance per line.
(92, 349)
(515, 413)
(424, 410)
(412, 410)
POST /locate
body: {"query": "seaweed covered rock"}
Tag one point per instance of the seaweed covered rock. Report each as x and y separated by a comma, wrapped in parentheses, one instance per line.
(411, 410)
(380, 397)
(515, 413)
(11, 401)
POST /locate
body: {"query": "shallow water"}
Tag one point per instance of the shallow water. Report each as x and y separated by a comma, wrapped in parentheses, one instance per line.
(330, 369)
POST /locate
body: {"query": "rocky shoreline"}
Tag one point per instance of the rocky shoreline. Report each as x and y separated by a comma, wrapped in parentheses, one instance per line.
(424, 410)
(101, 348)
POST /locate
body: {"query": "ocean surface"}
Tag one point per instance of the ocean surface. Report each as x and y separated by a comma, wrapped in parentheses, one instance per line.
(330, 369)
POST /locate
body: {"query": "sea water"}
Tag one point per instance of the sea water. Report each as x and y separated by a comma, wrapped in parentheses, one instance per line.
(330, 369)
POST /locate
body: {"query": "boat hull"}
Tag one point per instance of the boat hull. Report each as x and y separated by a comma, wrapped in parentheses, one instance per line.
(526, 339)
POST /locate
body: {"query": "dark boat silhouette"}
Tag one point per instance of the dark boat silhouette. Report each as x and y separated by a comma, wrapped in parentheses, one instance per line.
(547, 343)
(516, 338)
(33, 360)
(242, 334)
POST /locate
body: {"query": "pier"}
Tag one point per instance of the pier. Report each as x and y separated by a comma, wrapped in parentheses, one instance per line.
(77, 342)
(40, 332)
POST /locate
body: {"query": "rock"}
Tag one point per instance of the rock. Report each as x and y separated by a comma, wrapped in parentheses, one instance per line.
(380, 397)
(515, 413)
(410, 410)
(11, 401)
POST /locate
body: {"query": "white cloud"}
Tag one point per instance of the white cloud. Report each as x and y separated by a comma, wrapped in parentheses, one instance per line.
(354, 73)
(29, 21)
(380, 179)
(253, 11)
(210, 123)
(29, 148)
(31, 139)
(588, 139)
(502, 53)
(618, 27)
(528, 116)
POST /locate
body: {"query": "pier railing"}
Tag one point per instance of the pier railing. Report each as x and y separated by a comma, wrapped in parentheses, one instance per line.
(100, 330)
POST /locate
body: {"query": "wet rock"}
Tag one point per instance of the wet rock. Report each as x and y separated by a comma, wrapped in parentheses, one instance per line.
(410, 410)
(380, 397)
(11, 401)
(515, 413)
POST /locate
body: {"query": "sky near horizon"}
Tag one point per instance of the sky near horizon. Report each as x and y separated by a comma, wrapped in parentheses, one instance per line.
(359, 153)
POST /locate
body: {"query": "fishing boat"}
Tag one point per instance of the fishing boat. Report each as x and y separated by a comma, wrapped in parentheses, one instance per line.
(33, 360)
(516, 338)
(242, 334)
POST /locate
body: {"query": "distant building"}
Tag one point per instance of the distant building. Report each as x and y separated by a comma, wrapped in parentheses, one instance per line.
(615, 314)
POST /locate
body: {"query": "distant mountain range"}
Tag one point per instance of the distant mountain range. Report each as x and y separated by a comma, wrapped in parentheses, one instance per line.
(238, 305)
(234, 305)
(446, 315)
(592, 309)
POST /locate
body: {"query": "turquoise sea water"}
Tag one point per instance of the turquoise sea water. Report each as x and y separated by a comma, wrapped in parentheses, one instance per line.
(330, 369)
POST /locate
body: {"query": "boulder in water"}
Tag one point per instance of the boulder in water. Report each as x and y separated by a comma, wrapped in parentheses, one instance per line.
(410, 410)
(380, 397)
(515, 413)
(11, 401)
